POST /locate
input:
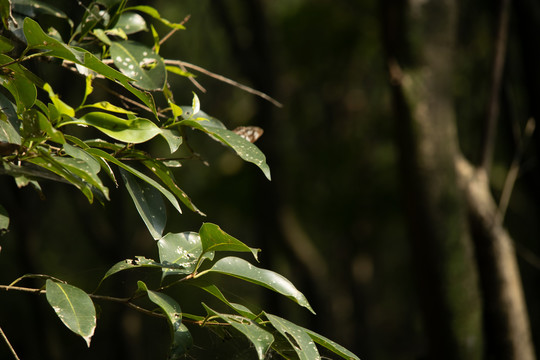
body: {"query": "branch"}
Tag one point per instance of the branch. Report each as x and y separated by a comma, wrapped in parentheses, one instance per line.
(8, 344)
(490, 125)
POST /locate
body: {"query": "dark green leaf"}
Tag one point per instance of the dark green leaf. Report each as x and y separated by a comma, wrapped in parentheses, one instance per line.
(300, 341)
(5, 45)
(180, 249)
(10, 124)
(242, 269)
(215, 239)
(135, 131)
(13, 78)
(181, 337)
(140, 63)
(166, 175)
(261, 339)
(148, 202)
(246, 150)
(330, 345)
(33, 8)
(102, 154)
(74, 307)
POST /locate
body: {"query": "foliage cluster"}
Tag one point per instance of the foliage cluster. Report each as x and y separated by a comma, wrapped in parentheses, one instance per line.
(42, 137)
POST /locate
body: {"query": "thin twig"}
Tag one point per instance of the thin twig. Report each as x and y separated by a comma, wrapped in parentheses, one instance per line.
(512, 175)
(8, 344)
(166, 37)
(488, 141)
(225, 80)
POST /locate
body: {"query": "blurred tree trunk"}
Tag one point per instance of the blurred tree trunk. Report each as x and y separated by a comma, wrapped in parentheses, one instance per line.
(443, 188)
(437, 215)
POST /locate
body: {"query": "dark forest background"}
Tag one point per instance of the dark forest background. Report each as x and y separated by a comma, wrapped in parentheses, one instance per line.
(348, 182)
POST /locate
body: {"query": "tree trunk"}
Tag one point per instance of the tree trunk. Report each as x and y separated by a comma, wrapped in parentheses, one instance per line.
(428, 146)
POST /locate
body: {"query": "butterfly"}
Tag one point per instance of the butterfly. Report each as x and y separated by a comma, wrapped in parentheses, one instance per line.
(250, 133)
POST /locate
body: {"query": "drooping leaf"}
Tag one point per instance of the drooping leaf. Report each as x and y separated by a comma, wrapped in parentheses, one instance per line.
(138, 262)
(74, 308)
(246, 150)
(331, 345)
(167, 176)
(13, 78)
(140, 63)
(300, 341)
(173, 138)
(135, 131)
(240, 268)
(149, 203)
(10, 124)
(215, 239)
(180, 249)
(4, 219)
(261, 339)
(181, 337)
(104, 155)
(85, 172)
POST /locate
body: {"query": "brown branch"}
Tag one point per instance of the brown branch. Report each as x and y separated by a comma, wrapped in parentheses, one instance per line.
(490, 125)
(9, 344)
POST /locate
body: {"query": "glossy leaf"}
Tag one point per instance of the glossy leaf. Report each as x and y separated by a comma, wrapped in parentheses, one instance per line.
(173, 138)
(215, 239)
(214, 290)
(155, 14)
(39, 40)
(331, 345)
(148, 202)
(32, 8)
(300, 341)
(9, 125)
(181, 337)
(131, 23)
(85, 172)
(246, 150)
(166, 175)
(135, 131)
(102, 154)
(261, 339)
(107, 106)
(13, 78)
(140, 63)
(242, 269)
(181, 249)
(74, 308)
(138, 262)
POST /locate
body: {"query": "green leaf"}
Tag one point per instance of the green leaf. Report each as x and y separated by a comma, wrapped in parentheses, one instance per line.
(180, 249)
(214, 290)
(33, 8)
(148, 202)
(102, 154)
(6, 45)
(107, 106)
(261, 339)
(45, 125)
(135, 131)
(155, 14)
(246, 150)
(181, 337)
(167, 177)
(179, 71)
(173, 138)
(138, 262)
(300, 341)
(78, 153)
(37, 39)
(13, 77)
(330, 345)
(4, 219)
(131, 23)
(84, 171)
(215, 239)
(9, 125)
(240, 268)
(74, 307)
(61, 106)
(140, 63)
(5, 12)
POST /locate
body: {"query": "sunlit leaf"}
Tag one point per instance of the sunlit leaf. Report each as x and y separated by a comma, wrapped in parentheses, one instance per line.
(131, 22)
(246, 150)
(135, 131)
(74, 307)
(331, 345)
(261, 339)
(138, 262)
(155, 14)
(149, 203)
(140, 63)
(105, 105)
(215, 239)
(61, 106)
(102, 154)
(300, 341)
(240, 268)
(181, 249)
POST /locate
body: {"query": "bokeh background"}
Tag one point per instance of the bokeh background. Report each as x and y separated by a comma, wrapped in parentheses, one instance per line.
(331, 220)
